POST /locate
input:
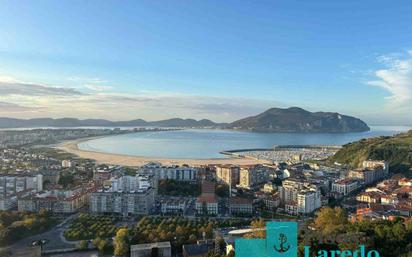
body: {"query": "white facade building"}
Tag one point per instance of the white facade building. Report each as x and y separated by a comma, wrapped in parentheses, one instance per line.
(309, 201)
(345, 186)
(12, 184)
(126, 195)
(179, 173)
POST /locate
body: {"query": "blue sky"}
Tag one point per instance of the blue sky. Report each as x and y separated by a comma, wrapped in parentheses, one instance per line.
(205, 59)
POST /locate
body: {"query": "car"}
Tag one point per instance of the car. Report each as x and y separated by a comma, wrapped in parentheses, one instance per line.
(35, 243)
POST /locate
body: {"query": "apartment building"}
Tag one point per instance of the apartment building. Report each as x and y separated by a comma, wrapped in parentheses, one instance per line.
(173, 206)
(8, 202)
(289, 190)
(376, 164)
(365, 175)
(174, 172)
(369, 197)
(14, 183)
(345, 186)
(309, 201)
(126, 195)
(207, 202)
(228, 174)
(57, 200)
(371, 172)
(292, 208)
(271, 201)
(67, 163)
(239, 205)
(252, 176)
(302, 194)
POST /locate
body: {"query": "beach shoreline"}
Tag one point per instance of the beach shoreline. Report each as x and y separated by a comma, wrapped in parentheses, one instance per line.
(71, 146)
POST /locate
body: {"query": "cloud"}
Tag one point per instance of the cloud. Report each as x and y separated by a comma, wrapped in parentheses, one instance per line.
(395, 78)
(11, 107)
(96, 100)
(7, 79)
(97, 87)
(28, 89)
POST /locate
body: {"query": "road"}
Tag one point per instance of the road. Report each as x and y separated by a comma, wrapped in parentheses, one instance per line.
(54, 238)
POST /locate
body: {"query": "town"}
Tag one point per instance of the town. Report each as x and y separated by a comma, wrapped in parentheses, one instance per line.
(53, 202)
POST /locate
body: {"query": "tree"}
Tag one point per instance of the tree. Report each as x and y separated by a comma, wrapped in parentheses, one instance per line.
(103, 244)
(66, 179)
(84, 244)
(331, 221)
(121, 242)
(222, 190)
(258, 227)
(231, 254)
(100, 244)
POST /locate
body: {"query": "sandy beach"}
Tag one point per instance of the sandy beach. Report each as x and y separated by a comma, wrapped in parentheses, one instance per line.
(127, 160)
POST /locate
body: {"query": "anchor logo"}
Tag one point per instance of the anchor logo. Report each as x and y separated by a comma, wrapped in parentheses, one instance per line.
(283, 239)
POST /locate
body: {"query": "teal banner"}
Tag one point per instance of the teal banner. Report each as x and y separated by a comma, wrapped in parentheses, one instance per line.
(281, 241)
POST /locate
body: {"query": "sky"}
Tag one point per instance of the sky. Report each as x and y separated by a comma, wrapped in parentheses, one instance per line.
(220, 60)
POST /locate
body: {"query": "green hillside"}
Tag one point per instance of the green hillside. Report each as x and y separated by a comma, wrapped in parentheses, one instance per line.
(397, 150)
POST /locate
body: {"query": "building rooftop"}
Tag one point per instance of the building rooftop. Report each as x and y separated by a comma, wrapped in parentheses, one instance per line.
(150, 246)
(345, 181)
(206, 199)
(238, 200)
(196, 249)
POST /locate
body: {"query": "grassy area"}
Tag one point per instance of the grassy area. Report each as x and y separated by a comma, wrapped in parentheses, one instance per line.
(397, 150)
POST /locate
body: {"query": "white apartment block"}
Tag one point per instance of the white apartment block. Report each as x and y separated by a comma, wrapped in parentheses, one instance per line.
(67, 164)
(12, 184)
(345, 186)
(251, 176)
(126, 195)
(290, 189)
(173, 206)
(370, 164)
(8, 202)
(179, 173)
(300, 196)
(309, 201)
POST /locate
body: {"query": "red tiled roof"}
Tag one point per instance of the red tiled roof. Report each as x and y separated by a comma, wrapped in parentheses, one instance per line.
(206, 199)
(238, 200)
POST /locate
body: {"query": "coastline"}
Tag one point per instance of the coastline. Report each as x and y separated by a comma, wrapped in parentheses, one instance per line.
(71, 146)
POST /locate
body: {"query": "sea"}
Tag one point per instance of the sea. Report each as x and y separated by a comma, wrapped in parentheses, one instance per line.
(208, 143)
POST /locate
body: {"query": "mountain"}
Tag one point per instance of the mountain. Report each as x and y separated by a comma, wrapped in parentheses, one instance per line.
(296, 119)
(293, 119)
(72, 122)
(397, 150)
